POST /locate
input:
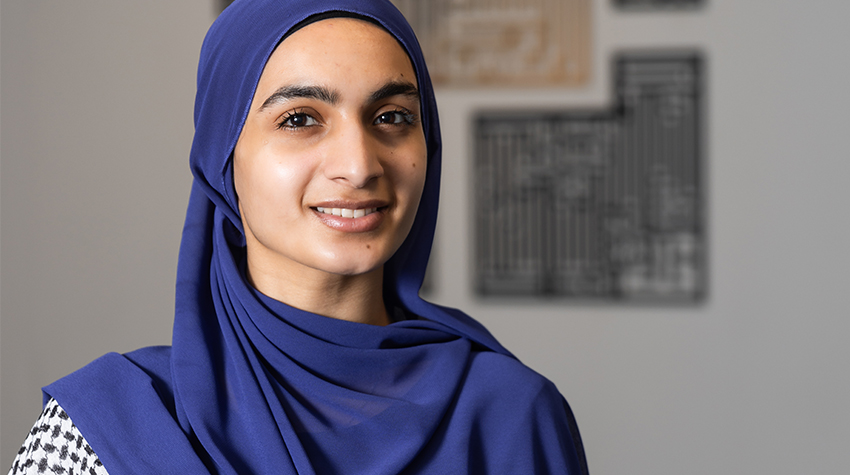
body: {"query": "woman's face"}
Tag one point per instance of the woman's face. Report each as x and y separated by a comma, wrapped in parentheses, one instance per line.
(331, 161)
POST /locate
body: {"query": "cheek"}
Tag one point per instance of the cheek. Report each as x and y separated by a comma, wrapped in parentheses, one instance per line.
(416, 172)
(269, 187)
(417, 180)
(410, 160)
(410, 182)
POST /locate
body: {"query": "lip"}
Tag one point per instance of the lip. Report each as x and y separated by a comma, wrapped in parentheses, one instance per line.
(363, 224)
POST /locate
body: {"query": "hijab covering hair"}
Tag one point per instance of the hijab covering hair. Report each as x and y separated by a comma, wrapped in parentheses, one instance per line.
(251, 385)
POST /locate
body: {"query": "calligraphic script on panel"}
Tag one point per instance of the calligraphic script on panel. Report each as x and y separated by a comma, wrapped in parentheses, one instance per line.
(597, 203)
(503, 42)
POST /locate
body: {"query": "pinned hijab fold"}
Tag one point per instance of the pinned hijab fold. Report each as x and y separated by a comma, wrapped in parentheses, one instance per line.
(250, 384)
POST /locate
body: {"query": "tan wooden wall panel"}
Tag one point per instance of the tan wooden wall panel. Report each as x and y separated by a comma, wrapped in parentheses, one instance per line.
(520, 43)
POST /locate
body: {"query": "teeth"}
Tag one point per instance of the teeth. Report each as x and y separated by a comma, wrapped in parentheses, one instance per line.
(347, 213)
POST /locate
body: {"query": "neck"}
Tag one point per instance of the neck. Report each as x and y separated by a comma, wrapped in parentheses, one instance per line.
(355, 298)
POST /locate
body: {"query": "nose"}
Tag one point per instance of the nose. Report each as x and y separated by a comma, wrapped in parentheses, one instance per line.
(352, 157)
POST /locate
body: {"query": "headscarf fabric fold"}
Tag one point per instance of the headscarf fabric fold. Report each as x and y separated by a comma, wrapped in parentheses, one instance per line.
(251, 385)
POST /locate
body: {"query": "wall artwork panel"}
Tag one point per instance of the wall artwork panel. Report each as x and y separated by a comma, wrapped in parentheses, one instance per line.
(503, 42)
(599, 204)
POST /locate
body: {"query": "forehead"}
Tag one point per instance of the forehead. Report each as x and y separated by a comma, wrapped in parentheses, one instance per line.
(327, 29)
(339, 45)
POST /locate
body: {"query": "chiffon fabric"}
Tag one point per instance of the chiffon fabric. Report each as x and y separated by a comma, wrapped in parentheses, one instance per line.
(251, 385)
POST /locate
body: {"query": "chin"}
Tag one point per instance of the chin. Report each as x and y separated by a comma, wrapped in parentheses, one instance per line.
(350, 265)
(350, 270)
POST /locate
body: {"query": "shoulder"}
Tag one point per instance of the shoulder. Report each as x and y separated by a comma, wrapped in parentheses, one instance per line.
(54, 445)
(505, 378)
(500, 390)
(112, 379)
(141, 365)
(520, 416)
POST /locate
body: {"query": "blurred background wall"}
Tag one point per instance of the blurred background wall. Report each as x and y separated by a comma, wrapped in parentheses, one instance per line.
(96, 128)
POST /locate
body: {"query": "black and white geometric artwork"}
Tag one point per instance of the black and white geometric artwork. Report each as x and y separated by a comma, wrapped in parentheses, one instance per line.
(603, 204)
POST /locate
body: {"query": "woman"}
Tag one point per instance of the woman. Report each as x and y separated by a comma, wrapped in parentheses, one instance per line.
(300, 342)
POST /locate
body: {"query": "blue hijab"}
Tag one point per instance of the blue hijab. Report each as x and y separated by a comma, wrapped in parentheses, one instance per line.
(251, 385)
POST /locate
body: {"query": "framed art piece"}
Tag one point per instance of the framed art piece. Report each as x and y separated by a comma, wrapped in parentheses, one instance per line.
(521, 43)
(597, 204)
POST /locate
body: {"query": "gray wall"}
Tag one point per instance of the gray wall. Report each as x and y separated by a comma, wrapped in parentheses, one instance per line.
(96, 128)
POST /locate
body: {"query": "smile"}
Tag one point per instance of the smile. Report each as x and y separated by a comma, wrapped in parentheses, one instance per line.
(347, 213)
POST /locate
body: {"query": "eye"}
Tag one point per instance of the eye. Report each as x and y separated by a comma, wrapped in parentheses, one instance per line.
(296, 120)
(396, 117)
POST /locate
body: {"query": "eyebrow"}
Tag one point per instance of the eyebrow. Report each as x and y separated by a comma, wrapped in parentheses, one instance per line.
(287, 93)
(395, 88)
(321, 93)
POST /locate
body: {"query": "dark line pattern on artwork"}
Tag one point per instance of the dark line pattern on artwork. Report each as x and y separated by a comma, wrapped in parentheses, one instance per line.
(597, 204)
